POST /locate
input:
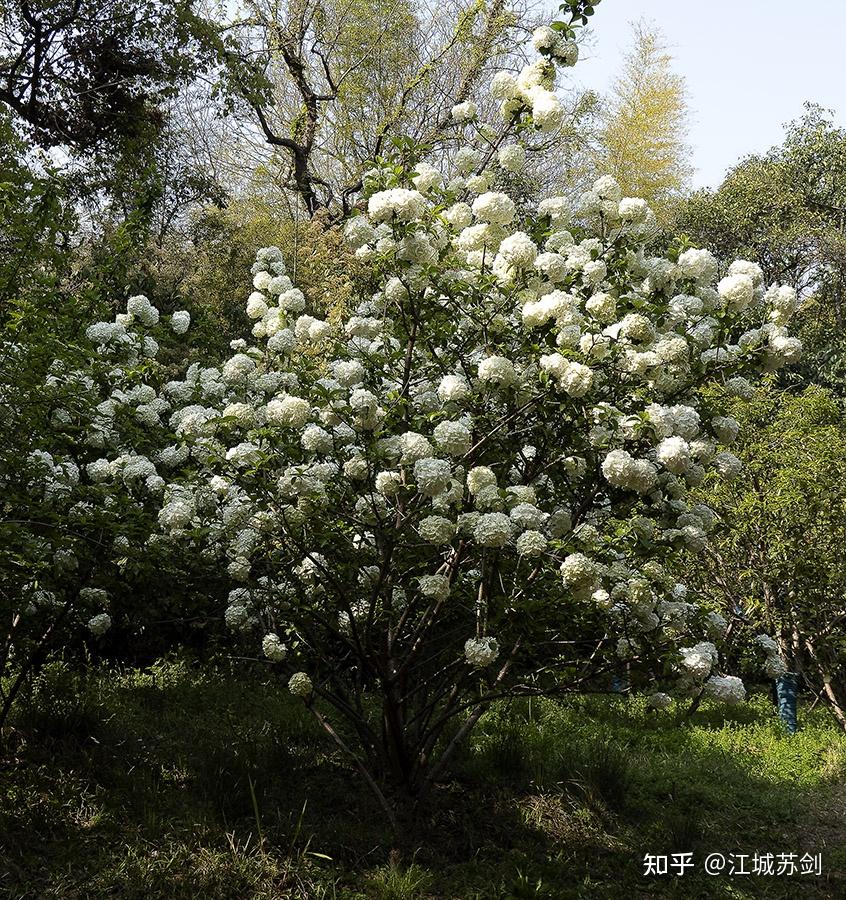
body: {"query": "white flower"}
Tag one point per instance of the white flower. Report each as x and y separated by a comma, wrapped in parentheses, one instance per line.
(578, 571)
(736, 291)
(256, 305)
(436, 587)
(495, 208)
(244, 454)
(547, 111)
(388, 483)
(453, 437)
(453, 388)
(479, 478)
(497, 370)
(767, 644)
(699, 659)
(358, 231)
(700, 265)
(432, 476)
(299, 684)
(98, 625)
(531, 543)
(659, 700)
(728, 465)
(739, 387)
(238, 367)
(481, 652)
(518, 250)
(674, 454)
(512, 158)
(288, 412)
(459, 215)
(716, 623)
(493, 530)
(633, 209)
(636, 327)
(414, 447)
(464, 112)
(544, 38)
(396, 204)
(436, 530)
(725, 428)
(180, 321)
(356, 468)
(728, 689)
(273, 648)
(427, 177)
(316, 439)
(527, 515)
(503, 86)
(139, 307)
(752, 269)
(622, 470)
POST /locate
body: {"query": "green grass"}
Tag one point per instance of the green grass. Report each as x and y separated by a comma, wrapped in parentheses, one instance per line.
(180, 782)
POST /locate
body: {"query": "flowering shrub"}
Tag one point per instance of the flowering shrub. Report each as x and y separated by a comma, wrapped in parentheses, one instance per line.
(468, 486)
(81, 485)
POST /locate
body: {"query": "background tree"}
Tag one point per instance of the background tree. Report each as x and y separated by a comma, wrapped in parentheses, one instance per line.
(776, 559)
(82, 74)
(787, 209)
(643, 142)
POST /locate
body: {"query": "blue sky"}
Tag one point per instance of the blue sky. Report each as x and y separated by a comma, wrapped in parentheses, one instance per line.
(749, 67)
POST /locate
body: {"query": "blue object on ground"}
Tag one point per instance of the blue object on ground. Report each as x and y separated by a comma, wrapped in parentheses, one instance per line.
(786, 688)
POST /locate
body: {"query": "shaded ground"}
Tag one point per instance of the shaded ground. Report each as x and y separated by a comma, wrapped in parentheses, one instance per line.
(178, 783)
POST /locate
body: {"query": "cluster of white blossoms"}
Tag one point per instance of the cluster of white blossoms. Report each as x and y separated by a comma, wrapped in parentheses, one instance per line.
(481, 652)
(727, 689)
(774, 666)
(659, 700)
(299, 684)
(508, 416)
(100, 624)
(700, 659)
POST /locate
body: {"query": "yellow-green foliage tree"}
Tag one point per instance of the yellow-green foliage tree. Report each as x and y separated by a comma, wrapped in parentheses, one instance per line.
(644, 138)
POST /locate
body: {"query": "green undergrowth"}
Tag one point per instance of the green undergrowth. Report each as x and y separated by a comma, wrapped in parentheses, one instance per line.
(181, 781)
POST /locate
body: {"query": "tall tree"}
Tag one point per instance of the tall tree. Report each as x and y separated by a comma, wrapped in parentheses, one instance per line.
(787, 210)
(644, 138)
(81, 73)
(776, 556)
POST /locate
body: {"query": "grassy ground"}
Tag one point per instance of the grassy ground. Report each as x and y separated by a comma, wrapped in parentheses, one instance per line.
(180, 783)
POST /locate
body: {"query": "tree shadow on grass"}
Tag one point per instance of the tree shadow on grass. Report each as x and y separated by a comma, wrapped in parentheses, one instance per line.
(181, 783)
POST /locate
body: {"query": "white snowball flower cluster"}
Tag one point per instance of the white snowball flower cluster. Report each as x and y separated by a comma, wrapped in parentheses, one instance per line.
(435, 586)
(497, 371)
(98, 625)
(273, 648)
(493, 530)
(727, 689)
(454, 438)
(774, 666)
(578, 571)
(288, 412)
(622, 470)
(494, 208)
(481, 652)
(464, 112)
(180, 321)
(299, 684)
(432, 476)
(699, 659)
(396, 204)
